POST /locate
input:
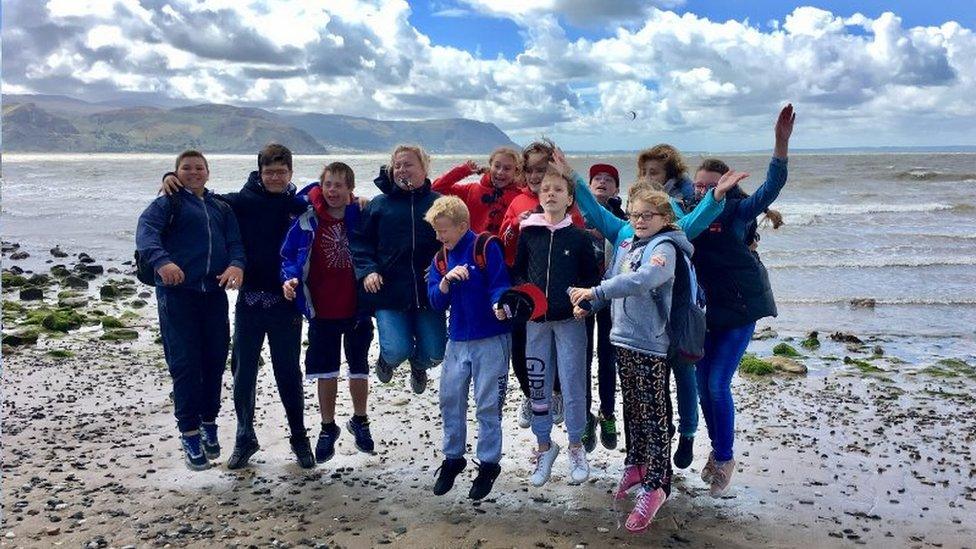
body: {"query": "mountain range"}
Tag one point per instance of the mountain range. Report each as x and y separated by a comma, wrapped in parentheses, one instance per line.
(57, 123)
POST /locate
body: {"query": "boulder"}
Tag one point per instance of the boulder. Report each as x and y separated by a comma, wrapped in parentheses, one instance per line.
(31, 294)
(58, 252)
(785, 349)
(786, 364)
(85, 258)
(17, 256)
(845, 338)
(60, 271)
(76, 282)
(765, 333)
(811, 342)
(108, 291)
(20, 337)
(120, 334)
(63, 320)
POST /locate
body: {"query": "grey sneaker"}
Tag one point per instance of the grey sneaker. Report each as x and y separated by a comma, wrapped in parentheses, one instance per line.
(525, 414)
(384, 371)
(418, 380)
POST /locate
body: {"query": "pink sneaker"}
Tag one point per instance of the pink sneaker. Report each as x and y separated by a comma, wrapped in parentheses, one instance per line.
(633, 475)
(646, 506)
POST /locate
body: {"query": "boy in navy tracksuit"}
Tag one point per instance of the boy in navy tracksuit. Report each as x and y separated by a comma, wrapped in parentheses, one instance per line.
(470, 279)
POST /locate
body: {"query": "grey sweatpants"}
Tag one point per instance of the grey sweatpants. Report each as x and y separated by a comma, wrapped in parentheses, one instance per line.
(557, 348)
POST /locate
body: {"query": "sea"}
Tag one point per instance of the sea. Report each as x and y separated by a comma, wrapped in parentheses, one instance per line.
(895, 228)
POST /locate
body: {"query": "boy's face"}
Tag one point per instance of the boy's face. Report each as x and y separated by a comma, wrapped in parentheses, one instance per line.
(448, 232)
(535, 170)
(603, 186)
(554, 196)
(275, 177)
(654, 171)
(408, 169)
(193, 173)
(335, 190)
(502, 170)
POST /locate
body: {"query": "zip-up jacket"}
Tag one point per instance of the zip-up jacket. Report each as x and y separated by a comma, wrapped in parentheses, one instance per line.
(486, 203)
(640, 291)
(296, 251)
(555, 257)
(471, 301)
(202, 241)
(735, 281)
(527, 201)
(394, 240)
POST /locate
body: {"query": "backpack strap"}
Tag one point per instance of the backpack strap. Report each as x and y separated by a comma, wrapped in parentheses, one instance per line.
(481, 248)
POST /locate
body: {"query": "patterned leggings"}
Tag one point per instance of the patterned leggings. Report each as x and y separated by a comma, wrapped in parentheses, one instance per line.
(644, 385)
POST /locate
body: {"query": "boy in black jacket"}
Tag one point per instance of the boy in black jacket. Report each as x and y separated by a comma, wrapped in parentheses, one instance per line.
(554, 255)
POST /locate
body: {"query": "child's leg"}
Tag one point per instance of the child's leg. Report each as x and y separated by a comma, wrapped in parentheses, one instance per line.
(396, 336)
(455, 383)
(590, 344)
(634, 387)
(541, 372)
(733, 344)
(570, 338)
(249, 333)
(606, 364)
(182, 347)
(490, 372)
(322, 363)
(686, 391)
(328, 389)
(430, 331)
(356, 342)
(653, 373)
(215, 334)
(285, 341)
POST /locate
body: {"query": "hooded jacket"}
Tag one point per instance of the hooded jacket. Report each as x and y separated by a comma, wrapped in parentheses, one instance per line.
(486, 203)
(555, 257)
(640, 291)
(394, 241)
(527, 201)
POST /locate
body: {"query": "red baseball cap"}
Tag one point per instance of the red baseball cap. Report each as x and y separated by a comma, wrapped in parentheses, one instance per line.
(606, 168)
(525, 302)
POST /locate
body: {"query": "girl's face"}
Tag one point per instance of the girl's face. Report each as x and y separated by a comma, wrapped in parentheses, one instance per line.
(193, 173)
(554, 196)
(535, 169)
(603, 186)
(654, 171)
(645, 219)
(705, 180)
(502, 170)
(335, 190)
(407, 167)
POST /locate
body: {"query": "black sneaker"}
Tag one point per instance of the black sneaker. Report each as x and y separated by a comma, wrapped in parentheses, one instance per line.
(448, 471)
(193, 454)
(243, 450)
(608, 432)
(487, 473)
(589, 434)
(303, 451)
(208, 435)
(418, 380)
(384, 371)
(359, 429)
(325, 447)
(684, 455)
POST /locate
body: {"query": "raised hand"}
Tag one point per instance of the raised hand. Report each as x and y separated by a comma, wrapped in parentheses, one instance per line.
(472, 165)
(560, 164)
(728, 180)
(784, 129)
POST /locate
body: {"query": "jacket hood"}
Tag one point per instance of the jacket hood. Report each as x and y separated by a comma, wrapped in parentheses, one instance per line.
(386, 185)
(255, 185)
(539, 220)
(678, 237)
(681, 188)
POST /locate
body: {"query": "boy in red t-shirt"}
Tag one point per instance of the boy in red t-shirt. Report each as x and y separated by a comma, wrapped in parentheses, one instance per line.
(318, 274)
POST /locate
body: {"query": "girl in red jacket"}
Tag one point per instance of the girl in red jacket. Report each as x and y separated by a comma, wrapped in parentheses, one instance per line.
(487, 199)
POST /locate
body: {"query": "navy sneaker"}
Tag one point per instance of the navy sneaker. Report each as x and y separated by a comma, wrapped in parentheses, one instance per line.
(446, 473)
(384, 371)
(418, 380)
(208, 434)
(487, 473)
(303, 451)
(196, 460)
(359, 428)
(325, 447)
(243, 450)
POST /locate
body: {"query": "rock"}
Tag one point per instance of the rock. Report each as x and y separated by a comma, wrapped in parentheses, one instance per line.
(811, 342)
(863, 303)
(400, 401)
(8, 247)
(786, 364)
(17, 256)
(110, 322)
(108, 291)
(58, 252)
(137, 303)
(53, 530)
(31, 294)
(878, 350)
(765, 333)
(39, 280)
(76, 282)
(845, 338)
(72, 302)
(122, 334)
(21, 337)
(753, 365)
(785, 349)
(11, 280)
(63, 320)
(60, 271)
(92, 269)
(85, 258)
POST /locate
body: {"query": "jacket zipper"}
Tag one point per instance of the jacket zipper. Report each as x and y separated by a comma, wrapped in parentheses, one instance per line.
(413, 248)
(552, 235)
(206, 214)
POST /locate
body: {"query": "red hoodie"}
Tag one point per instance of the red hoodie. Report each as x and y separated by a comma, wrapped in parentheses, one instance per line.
(486, 203)
(526, 201)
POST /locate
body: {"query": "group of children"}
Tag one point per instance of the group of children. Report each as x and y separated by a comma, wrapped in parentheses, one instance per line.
(522, 260)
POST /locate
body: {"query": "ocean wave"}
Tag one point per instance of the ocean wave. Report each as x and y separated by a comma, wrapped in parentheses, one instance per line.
(926, 174)
(878, 301)
(810, 213)
(872, 262)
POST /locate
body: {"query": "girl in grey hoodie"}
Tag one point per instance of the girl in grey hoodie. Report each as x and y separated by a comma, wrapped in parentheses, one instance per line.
(638, 288)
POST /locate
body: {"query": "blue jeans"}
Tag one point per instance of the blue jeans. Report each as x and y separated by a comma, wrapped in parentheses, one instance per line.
(282, 324)
(195, 332)
(686, 391)
(485, 362)
(417, 335)
(723, 350)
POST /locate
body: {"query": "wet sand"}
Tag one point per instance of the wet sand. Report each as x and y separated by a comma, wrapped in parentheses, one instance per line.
(877, 455)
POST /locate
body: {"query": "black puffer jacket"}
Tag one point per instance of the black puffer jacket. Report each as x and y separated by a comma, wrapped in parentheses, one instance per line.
(555, 258)
(394, 240)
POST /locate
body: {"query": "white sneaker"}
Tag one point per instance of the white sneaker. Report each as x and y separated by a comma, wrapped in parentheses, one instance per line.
(579, 469)
(543, 464)
(556, 408)
(525, 414)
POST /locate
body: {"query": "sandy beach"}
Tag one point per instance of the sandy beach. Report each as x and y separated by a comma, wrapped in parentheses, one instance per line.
(870, 450)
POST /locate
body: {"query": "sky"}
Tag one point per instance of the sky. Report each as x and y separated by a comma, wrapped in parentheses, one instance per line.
(704, 75)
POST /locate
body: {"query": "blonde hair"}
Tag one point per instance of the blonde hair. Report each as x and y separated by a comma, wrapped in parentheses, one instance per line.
(658, 200)
(417, 151)
(516, 157)
(450, 207)
(674, 165)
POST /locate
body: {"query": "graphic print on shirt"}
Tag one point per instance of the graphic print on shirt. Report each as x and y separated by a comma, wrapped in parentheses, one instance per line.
(334, 246)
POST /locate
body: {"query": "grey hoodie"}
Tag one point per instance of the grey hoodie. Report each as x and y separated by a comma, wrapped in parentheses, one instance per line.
(641, 291)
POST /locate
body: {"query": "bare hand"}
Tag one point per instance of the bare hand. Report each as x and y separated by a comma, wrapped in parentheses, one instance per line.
(580, 294)
(457, 274)
(472, 166)
(500, 313)
(658, 260)
(560, 164)
(171, 274)
(728, 180)
(288, 288)
(579, 313)
(171, 184)
(363, 202)
(373, 282)
(784, 124)
(231, 278)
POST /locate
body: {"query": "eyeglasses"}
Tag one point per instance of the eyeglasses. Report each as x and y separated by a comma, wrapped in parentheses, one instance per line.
(641, 216)
(274, 173)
